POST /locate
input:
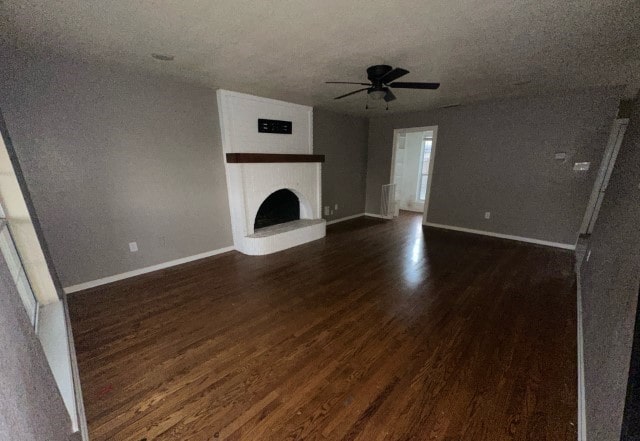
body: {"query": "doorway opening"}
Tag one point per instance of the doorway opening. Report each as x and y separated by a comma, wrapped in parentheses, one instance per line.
(412, 162)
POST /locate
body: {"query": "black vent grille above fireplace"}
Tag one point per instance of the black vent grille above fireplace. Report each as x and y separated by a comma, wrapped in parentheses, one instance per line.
(280, 207)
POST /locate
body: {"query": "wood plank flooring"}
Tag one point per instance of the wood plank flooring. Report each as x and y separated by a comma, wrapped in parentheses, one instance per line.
(381, 331)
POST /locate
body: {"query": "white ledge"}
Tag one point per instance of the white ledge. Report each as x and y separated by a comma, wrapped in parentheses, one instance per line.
(282, 236)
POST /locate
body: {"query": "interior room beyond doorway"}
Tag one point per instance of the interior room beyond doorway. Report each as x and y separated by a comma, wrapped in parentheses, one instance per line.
(412, 167)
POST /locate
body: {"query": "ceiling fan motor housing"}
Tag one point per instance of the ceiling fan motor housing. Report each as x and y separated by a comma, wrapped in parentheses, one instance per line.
(375, 73)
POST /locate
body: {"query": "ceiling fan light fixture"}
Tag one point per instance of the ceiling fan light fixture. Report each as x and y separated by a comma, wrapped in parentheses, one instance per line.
(377, 94)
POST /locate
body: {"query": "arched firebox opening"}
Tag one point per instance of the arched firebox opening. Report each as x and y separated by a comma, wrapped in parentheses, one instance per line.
(281, 206)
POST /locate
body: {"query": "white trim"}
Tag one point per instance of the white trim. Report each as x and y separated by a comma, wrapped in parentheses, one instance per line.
(75, 376)
(415, 129)
(342, 219)
(582, 403)
(148, 269)
(378, 216)
(565, 246)
(604, 173)
(54, 338)
(432, 161)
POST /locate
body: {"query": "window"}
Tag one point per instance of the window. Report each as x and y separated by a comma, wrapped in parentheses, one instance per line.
(14, 262)
(424, 169)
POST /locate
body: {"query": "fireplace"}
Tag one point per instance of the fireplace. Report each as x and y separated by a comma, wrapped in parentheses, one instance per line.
(274, 180)
(281, 206)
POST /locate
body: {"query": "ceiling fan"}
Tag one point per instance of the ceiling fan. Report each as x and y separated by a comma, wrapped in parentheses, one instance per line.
(383, 77)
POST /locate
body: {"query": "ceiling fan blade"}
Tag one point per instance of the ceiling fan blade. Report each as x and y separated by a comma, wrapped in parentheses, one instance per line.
(403, 85)
(346, 82)
(394, 75)
(389, 96)
(351, 93)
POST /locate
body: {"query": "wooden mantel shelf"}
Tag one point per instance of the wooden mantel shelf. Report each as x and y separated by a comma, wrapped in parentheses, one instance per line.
(237, 158)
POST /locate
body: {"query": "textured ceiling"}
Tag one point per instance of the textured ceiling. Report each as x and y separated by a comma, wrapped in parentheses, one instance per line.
(286, 49)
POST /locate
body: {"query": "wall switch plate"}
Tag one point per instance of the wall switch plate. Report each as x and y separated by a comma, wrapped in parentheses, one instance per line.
(336, 207)
(581, 166)
(560, 156)
(487, 215)
(133, 246)
(327, 210)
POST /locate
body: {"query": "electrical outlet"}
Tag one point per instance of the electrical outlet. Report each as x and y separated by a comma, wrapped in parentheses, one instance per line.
(336, 207)
(487, 215)
(327, 210)
(133, 246)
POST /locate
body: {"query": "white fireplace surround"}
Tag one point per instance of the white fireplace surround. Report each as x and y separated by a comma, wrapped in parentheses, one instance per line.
(249, 184)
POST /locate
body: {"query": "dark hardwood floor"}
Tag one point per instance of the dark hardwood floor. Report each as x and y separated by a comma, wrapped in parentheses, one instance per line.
(381, 331)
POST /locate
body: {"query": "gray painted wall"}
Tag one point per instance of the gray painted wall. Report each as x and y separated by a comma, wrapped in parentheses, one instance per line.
(499, 156)
(113, 156)
(343, 139)
(610, 283)
(31, 408)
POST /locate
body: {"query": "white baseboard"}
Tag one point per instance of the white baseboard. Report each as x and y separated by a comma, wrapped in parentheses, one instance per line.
(566, 246)
(379, 216)
(582, 403)
(148, 269)
(342, 219)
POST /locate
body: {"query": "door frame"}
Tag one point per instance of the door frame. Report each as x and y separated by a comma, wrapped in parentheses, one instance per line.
(618, 130)
(396, 136)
